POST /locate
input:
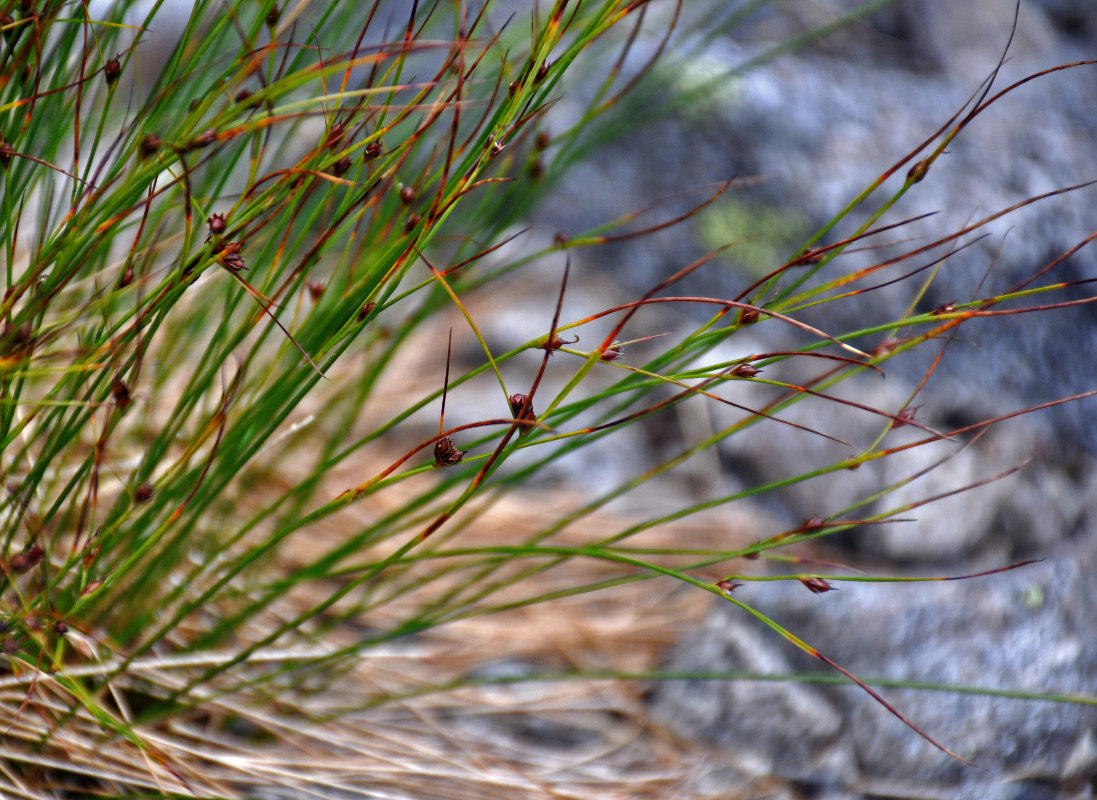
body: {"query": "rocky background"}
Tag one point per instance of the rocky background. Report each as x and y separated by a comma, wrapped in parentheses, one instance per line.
(815, 127)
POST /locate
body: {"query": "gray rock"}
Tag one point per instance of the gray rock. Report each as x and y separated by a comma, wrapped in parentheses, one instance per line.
(1030, 629)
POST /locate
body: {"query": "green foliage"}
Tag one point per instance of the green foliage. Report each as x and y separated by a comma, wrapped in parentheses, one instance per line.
(216, 274)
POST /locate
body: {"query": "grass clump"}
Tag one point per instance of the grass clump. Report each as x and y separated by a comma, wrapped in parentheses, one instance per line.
(233, 286)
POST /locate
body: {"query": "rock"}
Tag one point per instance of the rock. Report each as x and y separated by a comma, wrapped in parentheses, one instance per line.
(1029, 629)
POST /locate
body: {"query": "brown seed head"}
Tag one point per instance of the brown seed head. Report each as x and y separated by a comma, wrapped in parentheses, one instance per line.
(149, 145)
(446, 453)
(745, 371)
(340, 167)
(27, 560)
(816, 585)
(372, 150)
(111, 70)
(143, 493)
(120, 393)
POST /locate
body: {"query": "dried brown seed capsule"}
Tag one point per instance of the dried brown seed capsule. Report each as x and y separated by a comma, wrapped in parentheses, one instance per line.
(947, 308)
(808, 257)
(91, 555)
(916, 173)
(60, 628)
(727, 587)
(372, 151)
(745, 371)
(543, 140)
(27, 560)
(413, 220)
(542, 71)
(611, 353)
(230, 257)
(340, 167)
(315, 290)
(335, 135)
(273, 16)
(366, 310)
(556, 343)
(143, 493)
(120, 392)
(905, 417)
(242, 95)
(517, 401)
(886, 347)
(111, 70)
(149, 145)
(495, 149)
(748, 316)
(816, 585)
(216, 224)
(6, 153)
(408, 195)
(560, 239)
(204, 139)
(91, 587)
(814, 524)
(446, 453)
(127, 277)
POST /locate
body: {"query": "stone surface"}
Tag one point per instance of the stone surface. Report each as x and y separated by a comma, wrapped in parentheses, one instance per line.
(1029, 629)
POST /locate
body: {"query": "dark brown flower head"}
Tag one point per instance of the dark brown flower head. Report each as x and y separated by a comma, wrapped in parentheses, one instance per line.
(517, 402)
(315, 289)
(413, 220)
(748, 316)
(143, 493)
(6, 153)
(446, 453)
(745, 371)
(216, 224)
(918, 172)
(149, 145)
(611, 353)
(372, 150)
(408, 195)
(204, 139)
(335, 135)
(340, 167)
(27, 560)
(816, 585)
(111, 70)
(556, 343)
(120, 392)
(947, 308)
(727, 587)
(230, 257)
(905, 417)
(808, 257)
